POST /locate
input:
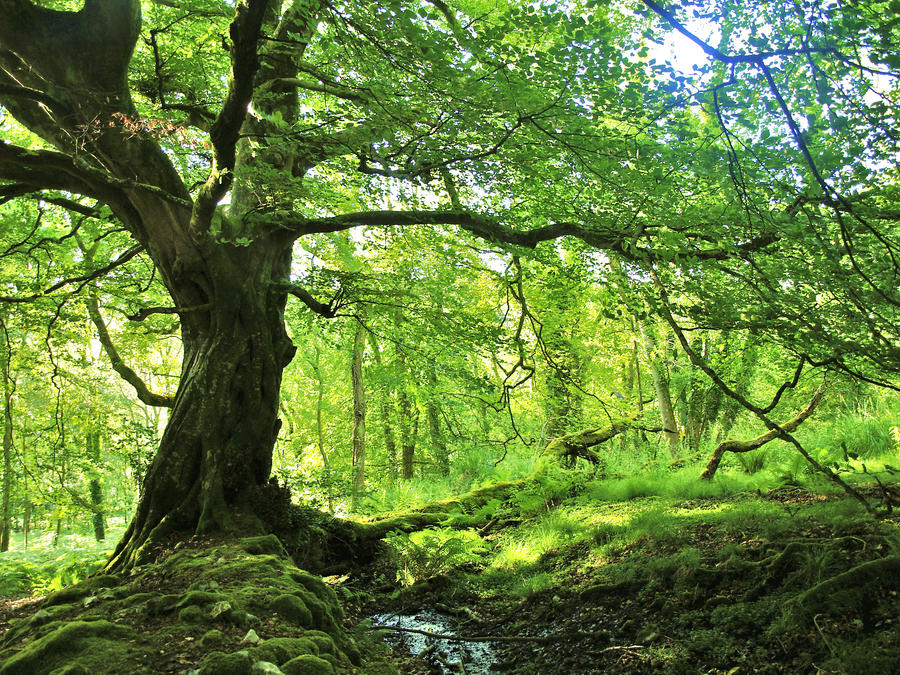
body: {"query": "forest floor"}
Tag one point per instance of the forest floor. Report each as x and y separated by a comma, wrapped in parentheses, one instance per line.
(784, 581)
(554, 579)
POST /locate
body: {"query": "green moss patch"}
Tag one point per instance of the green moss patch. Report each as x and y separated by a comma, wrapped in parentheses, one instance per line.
(307, 665)
(165, 613)
(94, 644)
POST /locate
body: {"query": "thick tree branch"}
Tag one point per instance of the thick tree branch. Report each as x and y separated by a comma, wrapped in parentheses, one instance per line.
(329, 310)
(494, 231)
(131, 377)
(759, 441)
(244, 33)
(581, 443)
(51, 170)
(150, 311)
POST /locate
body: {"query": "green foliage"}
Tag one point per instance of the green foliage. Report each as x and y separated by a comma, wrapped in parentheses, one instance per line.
(43, 570)
(433, 552)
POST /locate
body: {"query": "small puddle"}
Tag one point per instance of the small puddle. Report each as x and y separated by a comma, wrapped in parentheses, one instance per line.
(445, 655)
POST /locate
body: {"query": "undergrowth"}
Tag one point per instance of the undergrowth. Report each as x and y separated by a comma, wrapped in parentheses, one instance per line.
(44, 569)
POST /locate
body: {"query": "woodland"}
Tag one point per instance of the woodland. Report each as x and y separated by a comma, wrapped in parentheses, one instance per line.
(449, 336)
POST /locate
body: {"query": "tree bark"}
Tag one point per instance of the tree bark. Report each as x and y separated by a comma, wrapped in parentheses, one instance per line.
(223, 423)
(432, 412)
(759, 441)
(581, 443)
(8, 391)
(95, 488)
(659, 373)
(387, 426)
(359, 416)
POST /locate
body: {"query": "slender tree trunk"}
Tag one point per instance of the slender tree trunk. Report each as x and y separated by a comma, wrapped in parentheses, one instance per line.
(409, 421)
(320, 397)
(409, 429)
(432, 411)
(359, 416)
(96, 490)
(26, 522)
(387, 426)
(7, 453)
(659, 372)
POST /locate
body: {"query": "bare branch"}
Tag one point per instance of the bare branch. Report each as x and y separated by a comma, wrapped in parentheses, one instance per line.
(131, 377)
(82, 280)
(150, 311)
(759, 441)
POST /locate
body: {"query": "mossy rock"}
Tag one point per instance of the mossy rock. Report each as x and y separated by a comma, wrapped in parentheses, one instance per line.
(261, 667)
(268, 543)
(280, 650)
(212, 639)
(192, 614)
(240, 618)
(162, 603)
(307, 665)
(348, 646)
(292, 608)
(219, 663)
(323, 641)
(91, 644)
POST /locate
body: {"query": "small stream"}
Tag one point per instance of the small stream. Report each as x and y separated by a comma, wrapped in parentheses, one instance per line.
(476, 658)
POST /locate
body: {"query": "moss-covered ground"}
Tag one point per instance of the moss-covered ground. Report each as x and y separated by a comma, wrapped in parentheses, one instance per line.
(207, 606)
(588, 576)
(783, 580)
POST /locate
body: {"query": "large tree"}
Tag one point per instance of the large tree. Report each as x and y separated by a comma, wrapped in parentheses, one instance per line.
(236, 129)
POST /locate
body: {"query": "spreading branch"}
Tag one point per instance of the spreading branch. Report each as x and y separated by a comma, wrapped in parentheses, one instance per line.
(127, 374)
(759, 441)
(496, 232)
(244, 33)
(81, 280)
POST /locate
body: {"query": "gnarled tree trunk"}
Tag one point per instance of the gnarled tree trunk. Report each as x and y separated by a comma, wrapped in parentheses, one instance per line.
(223, 425)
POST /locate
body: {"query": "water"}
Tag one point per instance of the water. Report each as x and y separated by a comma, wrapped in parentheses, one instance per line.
(475, 657)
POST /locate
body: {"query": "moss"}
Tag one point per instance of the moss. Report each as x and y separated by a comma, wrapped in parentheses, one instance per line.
(71, 669)
(266, 544)
(324, 643)
(201, 598)
(348, 646)
(847, 592)
(138, 598)
(307, 665)
(94, 642)
(240, 618)
(192, 614)
(212, 639)
(280, 650)
(219, 663)
(162, 603)
(293, 609)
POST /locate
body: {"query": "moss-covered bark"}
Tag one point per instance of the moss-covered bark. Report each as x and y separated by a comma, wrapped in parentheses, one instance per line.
(759, 441)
